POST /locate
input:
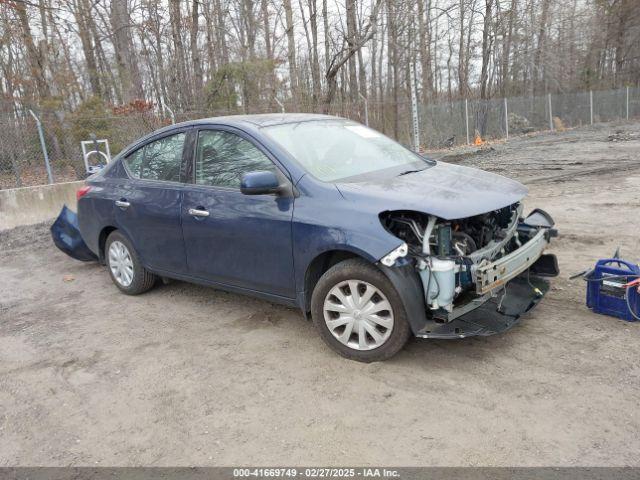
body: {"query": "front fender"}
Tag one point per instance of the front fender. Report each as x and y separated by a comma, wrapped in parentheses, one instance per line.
(323, 221)
(407, 283)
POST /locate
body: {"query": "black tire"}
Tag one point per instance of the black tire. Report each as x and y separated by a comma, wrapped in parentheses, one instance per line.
(142, 280)
(357, 269)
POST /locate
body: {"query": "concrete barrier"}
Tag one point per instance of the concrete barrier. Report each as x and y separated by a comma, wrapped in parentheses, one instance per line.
(29, 205)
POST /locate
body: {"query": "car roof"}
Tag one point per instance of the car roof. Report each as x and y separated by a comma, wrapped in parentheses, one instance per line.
(260, 119)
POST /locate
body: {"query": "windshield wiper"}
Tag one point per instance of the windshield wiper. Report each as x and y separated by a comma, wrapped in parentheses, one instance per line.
(411, 171)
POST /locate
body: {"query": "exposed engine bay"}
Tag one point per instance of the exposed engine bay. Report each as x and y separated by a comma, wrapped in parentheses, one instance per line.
(464, 262)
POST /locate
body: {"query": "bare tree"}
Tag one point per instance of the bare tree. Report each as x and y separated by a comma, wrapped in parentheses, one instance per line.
(487, 41)
(313, 53)
(347, 53)
(291, 46)
(130, 79)
(195, 51)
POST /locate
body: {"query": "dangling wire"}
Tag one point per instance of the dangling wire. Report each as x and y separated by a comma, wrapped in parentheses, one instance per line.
(533, 287)
(504, 294)
(628, 299)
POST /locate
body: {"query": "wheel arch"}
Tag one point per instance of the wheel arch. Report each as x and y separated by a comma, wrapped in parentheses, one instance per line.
(102, 240)
(319, 265)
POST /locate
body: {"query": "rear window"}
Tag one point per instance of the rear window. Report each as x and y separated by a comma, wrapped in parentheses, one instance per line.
(159, 160)
(134, 162)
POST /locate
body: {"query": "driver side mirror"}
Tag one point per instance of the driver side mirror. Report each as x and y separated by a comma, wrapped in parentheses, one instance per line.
(259, 183)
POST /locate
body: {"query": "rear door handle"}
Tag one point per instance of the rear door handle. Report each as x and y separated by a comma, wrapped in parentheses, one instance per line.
(196, 212)
(123, 204)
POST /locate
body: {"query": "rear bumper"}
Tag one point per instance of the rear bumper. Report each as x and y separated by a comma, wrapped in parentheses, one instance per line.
(66, 236)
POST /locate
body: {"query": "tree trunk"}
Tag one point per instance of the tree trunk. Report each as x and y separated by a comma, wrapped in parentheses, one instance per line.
(33, 55)
(179, 76)
(110, 84)
(123, 47)
(392, 36)
(537, 63)
(506, 49)
(462, 74)
(486, 49)
(291, 48)
(209, 24)
(309, 50)
(264, 6)
(345, 55)
(157, 90)
(351, 44)
(195, 51)
(81, 14)
(221, 31)
(327, 50)
(159, 57)
(315, 60)
(423, 42)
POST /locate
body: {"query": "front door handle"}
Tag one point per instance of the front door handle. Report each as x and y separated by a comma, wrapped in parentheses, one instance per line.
(196, 212)
(123, 204)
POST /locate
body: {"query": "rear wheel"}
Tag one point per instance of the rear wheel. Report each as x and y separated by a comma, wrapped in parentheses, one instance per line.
(358, 312)
(125, 267)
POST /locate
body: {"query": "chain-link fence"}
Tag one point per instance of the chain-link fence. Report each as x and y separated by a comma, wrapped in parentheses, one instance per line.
(24, 152)
(24, 155)
(460, 122)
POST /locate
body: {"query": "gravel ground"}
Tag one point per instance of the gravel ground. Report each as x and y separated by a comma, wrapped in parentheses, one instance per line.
(189, 375)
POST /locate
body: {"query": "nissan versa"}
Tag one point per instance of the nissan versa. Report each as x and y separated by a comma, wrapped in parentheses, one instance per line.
(373, 241)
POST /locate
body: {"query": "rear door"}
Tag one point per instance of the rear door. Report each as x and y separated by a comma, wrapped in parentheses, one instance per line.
(148, 205)
(244, 240)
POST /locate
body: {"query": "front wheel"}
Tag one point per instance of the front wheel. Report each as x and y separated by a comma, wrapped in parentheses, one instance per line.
(358, 312)
(125, 267)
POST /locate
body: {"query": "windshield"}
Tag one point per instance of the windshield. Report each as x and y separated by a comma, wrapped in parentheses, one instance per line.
(338, 149)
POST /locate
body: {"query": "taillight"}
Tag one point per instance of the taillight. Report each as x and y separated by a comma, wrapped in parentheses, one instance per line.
(82, 191)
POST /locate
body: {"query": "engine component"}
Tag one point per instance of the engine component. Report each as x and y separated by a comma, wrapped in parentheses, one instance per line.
(446, 253)
(444, 240)
(439, 282)
(426, 238)
(437, 274)
(463, 244)
(465, 279)
(466, 235)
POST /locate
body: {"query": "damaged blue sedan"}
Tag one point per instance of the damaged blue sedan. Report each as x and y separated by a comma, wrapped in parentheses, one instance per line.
(373, 241)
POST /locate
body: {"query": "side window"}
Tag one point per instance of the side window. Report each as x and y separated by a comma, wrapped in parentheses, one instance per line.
(163, 158)
(222, 158)
(134, 162)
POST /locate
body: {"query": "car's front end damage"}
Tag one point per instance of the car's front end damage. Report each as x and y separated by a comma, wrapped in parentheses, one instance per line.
(470, 276)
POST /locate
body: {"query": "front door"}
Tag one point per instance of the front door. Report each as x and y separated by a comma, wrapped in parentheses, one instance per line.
(232, 238)
(148, 205)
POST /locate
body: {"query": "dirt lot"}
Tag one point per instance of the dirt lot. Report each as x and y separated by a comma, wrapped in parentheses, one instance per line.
(188, 375)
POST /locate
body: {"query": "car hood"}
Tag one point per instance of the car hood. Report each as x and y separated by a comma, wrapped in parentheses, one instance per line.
(444, 190)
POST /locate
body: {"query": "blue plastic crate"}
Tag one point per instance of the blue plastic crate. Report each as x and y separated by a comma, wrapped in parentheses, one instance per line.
(607, 296)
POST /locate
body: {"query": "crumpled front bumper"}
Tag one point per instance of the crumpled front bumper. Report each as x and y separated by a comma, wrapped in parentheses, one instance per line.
(496, 315)
(492, 275)
(506, 288)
